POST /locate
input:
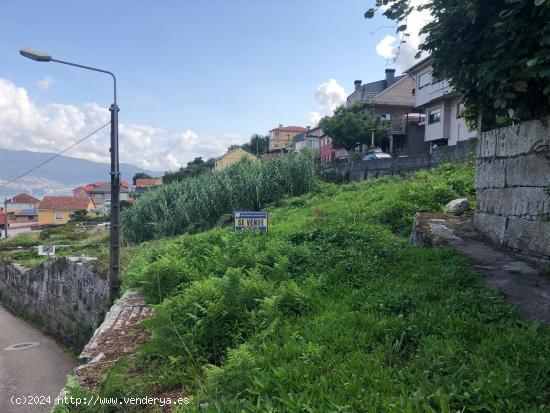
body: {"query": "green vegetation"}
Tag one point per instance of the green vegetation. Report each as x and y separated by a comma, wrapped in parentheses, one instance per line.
(198, 203)
(331, 311)
(70, 239)
(350, 126)
(194, 168)
(496, 54)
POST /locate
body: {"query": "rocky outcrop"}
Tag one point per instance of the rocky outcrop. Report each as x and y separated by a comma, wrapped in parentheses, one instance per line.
(513, 174)
(66, 295)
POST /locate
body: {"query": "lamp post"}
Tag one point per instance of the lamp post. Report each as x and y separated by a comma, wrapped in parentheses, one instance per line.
(114, 273)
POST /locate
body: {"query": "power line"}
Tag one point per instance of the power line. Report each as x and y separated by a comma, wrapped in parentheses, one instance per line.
(55, 156)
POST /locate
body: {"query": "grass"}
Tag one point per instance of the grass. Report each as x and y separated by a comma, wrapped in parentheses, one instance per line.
(75, 242)
(197, 203)
(331, 311)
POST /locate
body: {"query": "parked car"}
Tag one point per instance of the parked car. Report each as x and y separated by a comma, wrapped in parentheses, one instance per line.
(371, 156)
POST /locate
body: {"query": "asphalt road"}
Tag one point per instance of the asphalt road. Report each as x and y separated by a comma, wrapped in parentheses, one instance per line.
(37, 370)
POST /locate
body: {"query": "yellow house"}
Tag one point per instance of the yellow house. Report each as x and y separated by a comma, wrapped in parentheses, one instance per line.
(232, 157)
(57, 210)
(282, 137)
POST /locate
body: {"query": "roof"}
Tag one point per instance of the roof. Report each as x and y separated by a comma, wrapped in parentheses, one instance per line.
(92, 186)
(24, 199)
(419, 64)
(64, 203)
(236, 149)
(106, 189)
(148, 181)
(303, 136)
(289, 129)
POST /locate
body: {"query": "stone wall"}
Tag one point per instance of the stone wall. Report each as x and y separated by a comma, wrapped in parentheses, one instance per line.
(66, 295)
(513, 170)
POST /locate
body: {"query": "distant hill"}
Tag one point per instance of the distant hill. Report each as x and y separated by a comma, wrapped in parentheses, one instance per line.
(57, 177)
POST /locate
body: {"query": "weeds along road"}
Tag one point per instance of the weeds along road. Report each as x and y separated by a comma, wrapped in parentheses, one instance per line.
(31, 364)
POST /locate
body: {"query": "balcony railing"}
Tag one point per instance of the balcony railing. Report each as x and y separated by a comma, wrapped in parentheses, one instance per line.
(363, 97)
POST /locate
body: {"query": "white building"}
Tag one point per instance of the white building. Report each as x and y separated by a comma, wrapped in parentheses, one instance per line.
(444, 124)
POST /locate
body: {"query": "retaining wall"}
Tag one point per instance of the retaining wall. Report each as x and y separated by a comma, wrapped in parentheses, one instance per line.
(513, 170)
(66, 295)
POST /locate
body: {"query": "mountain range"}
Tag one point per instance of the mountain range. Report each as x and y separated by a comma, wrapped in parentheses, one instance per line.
(57, 177)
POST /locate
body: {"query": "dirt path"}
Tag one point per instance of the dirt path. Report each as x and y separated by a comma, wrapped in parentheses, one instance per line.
(502, 269)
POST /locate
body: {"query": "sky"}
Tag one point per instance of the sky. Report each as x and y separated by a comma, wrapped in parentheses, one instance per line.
(193, 76)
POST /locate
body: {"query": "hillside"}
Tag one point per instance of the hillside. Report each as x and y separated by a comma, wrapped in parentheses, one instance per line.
(331, 311)
(56, 177)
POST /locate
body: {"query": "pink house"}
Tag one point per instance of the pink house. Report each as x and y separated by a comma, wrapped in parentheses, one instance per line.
(326, 151)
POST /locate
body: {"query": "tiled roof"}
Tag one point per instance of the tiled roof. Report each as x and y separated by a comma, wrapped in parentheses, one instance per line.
(98, 184)
(64, 203)
(289, 129)
(148, 181)
(24, 199)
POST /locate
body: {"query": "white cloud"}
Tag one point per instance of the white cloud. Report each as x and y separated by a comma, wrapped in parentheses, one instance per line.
(24, 125)
(45, 83)
(329, 95)
(385, 47)
(404, 56)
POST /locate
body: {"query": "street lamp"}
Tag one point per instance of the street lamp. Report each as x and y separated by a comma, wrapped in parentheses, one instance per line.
(114, 273)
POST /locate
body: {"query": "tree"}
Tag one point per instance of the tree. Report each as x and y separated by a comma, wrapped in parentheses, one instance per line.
(140, 175)
(258, 144)
(194, 168)
(232, 147)
(349, 126)
(495, 54)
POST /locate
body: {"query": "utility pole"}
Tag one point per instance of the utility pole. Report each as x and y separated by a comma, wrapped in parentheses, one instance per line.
(6, 216)
(114, 283)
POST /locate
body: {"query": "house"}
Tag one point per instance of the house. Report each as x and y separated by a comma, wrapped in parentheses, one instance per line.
(309, 140)
(444, 124)
(57, 210)
(23, 208)
(23, 201)
(144, 184)
(392, 99)
(281, 138)
(100, 192)
(232, 157)
(327, 152)
(365, 93)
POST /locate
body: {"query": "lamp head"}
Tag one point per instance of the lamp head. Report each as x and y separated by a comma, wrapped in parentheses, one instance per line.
(35, 55)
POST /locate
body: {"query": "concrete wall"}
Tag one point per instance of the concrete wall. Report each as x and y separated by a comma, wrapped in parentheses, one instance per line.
(360, 170)
(66, 295)
(513, 169)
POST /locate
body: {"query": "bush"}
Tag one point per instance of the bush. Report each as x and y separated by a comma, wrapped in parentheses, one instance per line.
(197, 203)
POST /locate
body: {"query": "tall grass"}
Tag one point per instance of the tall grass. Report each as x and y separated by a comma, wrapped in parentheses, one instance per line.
(198, 203)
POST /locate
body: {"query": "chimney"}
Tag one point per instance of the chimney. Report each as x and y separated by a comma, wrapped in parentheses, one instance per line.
(280, 125)
(357, 84)
(390, 77)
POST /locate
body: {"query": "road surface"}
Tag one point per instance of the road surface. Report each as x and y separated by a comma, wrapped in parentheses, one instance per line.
(31, 364)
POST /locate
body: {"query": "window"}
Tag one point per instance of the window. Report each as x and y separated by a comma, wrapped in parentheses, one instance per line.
(459, 110)
(58, 216)
(424, 79)
(276, 133)
(434, 116)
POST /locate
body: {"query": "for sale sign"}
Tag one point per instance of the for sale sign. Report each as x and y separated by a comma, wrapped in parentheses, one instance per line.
(251, 221)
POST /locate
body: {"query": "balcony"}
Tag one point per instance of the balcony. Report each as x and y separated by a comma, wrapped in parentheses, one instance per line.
(362, 97)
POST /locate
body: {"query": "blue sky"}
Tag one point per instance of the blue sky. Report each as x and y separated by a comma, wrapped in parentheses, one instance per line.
(214, 68)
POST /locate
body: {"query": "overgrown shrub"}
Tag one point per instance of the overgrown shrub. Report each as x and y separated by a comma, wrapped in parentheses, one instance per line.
(197, 203)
